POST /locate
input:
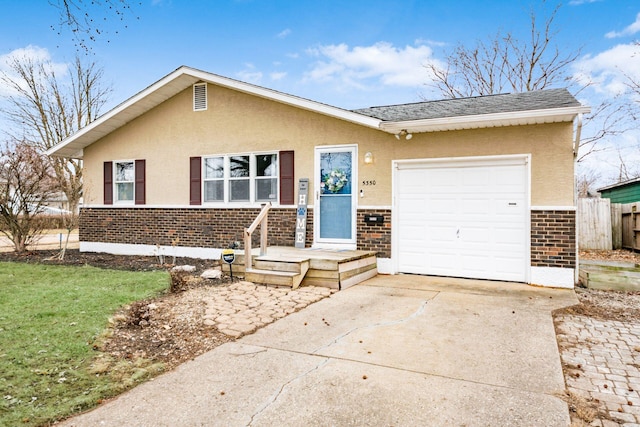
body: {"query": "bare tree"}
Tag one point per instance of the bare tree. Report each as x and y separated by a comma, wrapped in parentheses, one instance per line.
(505, 63)
(45, 110)
(88, 21)
(26, 181)
(634, 86)
(586, 181)
(627, 169)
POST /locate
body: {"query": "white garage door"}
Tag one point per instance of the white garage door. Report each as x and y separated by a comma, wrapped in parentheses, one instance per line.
(465, 218)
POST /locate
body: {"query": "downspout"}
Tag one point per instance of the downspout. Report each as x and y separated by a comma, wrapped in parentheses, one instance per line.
(576, 146)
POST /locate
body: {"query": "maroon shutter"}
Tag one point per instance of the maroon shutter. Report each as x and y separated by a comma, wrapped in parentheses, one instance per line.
(140, 182)
(195, 181)
(287, 186)
(108, 183)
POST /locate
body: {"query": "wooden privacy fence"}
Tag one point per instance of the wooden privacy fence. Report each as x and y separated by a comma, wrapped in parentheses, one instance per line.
(604, 225)
(630, 215)
(594, 224)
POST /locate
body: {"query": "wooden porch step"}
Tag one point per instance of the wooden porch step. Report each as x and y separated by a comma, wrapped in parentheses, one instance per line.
(278, 277)
(332, 269)
(294, 265)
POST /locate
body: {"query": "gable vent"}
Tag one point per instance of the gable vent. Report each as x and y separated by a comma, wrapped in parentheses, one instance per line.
(199, 97)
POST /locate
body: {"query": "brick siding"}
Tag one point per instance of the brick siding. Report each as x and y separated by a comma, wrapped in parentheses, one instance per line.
(553, 233)
(553, 239)
(191, 227)
(374, 237)
(213, 227)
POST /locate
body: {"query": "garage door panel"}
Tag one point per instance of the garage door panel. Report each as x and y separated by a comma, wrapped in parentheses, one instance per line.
(475, 207)
(508, 236)
(442, 262)
(476, 221)
(440, 235)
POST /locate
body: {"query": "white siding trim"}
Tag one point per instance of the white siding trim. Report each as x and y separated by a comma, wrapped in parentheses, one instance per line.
(553, 208)
(554, 277)
(385, 266)
(150, 250)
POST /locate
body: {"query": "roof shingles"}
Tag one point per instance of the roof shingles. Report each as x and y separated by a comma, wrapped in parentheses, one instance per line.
(458, 107)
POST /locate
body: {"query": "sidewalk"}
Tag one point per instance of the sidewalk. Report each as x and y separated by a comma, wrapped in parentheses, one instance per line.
(50, 239)
(395, 351)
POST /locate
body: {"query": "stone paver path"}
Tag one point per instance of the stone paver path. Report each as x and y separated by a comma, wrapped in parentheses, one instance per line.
(603, 365)
(243, 307)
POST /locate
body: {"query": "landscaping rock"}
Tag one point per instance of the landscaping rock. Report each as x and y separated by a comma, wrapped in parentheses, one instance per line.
(211, 273)
(186, 268)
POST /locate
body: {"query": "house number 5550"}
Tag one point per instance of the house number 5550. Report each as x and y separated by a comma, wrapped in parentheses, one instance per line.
(369, 182)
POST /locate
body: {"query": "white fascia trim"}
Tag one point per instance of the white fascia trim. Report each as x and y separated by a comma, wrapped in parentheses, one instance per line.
(151, 250)
(553, 208)
(565, 114)
(285, 98)
(144, 102)
(102, 121)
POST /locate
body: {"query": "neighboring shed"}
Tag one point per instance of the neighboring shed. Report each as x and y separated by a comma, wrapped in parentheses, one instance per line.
(622, 192)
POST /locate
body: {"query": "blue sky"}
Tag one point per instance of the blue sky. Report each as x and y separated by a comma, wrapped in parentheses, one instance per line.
(345, 53)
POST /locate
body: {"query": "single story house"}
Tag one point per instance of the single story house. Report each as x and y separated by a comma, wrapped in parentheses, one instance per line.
(478, 187)
(622, 192)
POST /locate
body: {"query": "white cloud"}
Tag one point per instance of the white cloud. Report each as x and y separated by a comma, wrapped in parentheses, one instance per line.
(430, 42)
(284, 33)
(627, 31)
(278, 75)
(35, 54)
(250, 74)
(364, 66)
(579, 2)
(609, 70)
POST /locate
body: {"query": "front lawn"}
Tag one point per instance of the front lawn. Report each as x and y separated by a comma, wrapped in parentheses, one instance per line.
(50, 319)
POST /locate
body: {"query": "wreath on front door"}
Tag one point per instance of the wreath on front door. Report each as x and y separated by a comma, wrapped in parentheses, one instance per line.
(335, 180)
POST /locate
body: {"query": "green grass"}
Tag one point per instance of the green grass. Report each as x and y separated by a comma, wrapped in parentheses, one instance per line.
(50, 319)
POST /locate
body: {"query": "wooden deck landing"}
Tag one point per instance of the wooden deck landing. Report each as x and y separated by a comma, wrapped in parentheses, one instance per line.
(336, 269)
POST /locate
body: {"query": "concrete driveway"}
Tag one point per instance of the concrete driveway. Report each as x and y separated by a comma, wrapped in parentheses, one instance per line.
(392, 351)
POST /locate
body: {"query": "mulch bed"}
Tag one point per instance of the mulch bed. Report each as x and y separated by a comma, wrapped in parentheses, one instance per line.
(116, 262)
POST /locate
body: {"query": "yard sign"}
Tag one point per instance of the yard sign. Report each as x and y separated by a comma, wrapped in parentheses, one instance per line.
(301, 219)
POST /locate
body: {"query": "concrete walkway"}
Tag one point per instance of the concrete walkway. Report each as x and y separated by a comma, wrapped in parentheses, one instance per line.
(393, 351)
(603, 360)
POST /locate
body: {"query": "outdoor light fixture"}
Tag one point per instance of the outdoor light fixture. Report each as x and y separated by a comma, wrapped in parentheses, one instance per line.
(404, 133)
(368, 158)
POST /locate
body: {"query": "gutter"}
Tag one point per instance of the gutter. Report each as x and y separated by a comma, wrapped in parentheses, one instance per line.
(576, 140)
(485, 120)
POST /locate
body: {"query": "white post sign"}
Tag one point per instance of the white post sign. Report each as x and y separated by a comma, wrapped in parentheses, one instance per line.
(301, 218)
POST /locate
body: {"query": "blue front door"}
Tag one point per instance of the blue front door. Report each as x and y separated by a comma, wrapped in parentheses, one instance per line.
(335, 182)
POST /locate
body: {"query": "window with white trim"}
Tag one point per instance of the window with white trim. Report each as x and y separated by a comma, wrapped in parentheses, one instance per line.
(266, 181)
(241, 178)
(214, 179)
(124, 181)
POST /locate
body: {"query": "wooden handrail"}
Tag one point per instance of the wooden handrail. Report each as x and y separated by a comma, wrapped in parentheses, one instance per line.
(261, 220)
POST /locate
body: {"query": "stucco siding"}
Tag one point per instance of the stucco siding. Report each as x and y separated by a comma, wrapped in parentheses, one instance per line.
(169, 134)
